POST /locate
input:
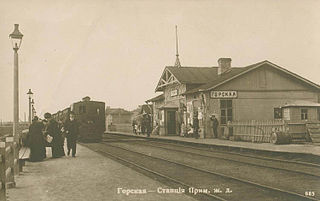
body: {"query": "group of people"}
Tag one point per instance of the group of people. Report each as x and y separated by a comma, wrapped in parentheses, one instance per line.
(50, 133)
(192, 130)
(143, 126)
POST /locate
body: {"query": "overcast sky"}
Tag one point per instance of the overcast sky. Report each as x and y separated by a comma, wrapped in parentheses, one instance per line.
(115, 51)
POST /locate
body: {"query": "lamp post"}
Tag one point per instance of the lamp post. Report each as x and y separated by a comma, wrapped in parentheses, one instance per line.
(32, 108)
(33, 112)
(30, 96)
(16, 39)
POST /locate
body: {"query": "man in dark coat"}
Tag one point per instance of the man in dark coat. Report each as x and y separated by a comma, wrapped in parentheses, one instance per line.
(52, 129)
(36, 141)
(215, 124)
(71, 128)
(195, 125)
(148, 124)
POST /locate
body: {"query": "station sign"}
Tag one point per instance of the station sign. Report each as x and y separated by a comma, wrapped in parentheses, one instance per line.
(174, 92)
(223, 94)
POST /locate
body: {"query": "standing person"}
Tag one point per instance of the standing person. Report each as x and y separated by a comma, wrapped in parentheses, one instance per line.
(215, 124)
(148, 125)
(72, 131)
(52, 129)
(143, 124)
(195, 125)
(36, 141)
(134, 127)
(44, 134)
(61, 129)
(183, 130)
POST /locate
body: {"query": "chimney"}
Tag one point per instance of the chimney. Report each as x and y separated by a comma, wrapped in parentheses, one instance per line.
(87, 98)
(224, 65)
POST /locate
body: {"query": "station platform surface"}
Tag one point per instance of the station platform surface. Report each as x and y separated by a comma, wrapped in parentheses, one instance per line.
(88, 176)
(307, 148)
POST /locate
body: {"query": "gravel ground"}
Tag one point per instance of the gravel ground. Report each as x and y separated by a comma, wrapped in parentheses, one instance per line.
(88, 177)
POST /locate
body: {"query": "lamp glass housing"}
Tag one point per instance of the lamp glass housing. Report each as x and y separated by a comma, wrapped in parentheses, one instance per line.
(16, 37)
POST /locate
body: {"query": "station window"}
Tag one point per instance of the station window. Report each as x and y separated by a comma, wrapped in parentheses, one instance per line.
(226, 111)
(277, 113)
(304, 114)
(82, 109)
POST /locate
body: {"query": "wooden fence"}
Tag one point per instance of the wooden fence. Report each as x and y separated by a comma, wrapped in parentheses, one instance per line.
(9, 163)
(254, 131)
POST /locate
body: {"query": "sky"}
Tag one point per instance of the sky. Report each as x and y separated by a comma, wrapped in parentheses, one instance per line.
(115, 50)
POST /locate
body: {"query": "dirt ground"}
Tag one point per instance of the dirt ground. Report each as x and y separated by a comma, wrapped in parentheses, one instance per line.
(87, 177)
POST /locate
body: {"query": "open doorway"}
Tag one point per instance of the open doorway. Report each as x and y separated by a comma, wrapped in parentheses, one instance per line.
(171, 122)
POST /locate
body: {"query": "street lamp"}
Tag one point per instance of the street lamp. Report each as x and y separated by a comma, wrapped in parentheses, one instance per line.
(16, 39)
(30, 96)
(33, 112)
(32, 108)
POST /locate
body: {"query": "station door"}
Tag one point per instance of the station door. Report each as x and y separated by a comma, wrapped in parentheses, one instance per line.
(171, 122)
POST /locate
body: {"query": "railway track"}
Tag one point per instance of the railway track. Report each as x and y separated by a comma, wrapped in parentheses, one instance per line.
(281, 179)
(296, 167)
(191, 176)
(213, 150)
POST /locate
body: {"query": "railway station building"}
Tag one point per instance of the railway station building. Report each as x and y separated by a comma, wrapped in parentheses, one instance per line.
(260, 91)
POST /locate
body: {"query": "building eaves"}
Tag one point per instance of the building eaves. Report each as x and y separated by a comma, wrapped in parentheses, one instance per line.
(157, 98)
(301, 103)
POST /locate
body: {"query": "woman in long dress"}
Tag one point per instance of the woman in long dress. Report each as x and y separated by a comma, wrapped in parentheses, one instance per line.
(36, 141)
(52, 129)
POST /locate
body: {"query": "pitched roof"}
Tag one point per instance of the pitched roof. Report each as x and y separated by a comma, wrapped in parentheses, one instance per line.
(236, 72)
(193, 75)
(157, 98)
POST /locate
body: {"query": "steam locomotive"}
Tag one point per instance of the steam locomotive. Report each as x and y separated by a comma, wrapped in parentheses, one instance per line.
(91, 117)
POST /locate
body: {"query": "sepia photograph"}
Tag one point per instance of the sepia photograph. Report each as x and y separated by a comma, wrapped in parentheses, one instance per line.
(149, 100)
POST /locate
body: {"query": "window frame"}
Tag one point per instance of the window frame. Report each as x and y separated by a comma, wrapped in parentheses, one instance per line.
(277, 113)
(304, 113)
(225, 110)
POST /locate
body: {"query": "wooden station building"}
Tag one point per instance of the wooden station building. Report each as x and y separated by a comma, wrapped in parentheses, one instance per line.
(261, 91)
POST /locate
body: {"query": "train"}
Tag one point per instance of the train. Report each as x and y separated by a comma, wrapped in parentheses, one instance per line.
(91, 117)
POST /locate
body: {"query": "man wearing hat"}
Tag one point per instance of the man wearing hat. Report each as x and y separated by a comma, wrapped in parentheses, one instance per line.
(71, 128)
(215, 124)
(195, 124)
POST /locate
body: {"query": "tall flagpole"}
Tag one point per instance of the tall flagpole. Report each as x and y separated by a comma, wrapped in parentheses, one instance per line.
(177, 64)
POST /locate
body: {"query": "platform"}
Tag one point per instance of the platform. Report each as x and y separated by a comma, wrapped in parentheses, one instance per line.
(301, 149)
(89, 176)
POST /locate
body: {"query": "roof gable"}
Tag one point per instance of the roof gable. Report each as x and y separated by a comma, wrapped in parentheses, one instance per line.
(166, 78)
(237, 72)
(186, 75)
